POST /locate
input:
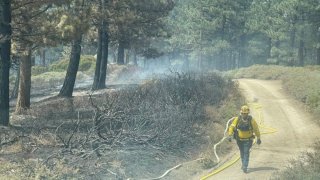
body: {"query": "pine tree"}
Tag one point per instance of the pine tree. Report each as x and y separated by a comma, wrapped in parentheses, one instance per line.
(5, 51)
(74, 24)
(27, 16)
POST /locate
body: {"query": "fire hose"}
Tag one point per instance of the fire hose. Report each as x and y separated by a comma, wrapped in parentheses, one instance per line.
(266, 130)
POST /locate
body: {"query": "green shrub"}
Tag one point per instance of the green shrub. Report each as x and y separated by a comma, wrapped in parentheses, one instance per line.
(59, 66)
(36, 70)
(46, 79)
(86, 63)
(261, 72)
(313, 99)
(303, 85)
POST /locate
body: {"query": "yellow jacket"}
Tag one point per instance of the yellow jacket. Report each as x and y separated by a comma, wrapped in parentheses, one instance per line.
(244, 134)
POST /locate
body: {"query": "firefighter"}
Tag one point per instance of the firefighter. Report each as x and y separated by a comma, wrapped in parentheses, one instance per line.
(244, 129)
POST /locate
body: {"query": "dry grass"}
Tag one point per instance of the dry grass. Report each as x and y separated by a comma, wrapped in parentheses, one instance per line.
(301, 82)
(307, 166)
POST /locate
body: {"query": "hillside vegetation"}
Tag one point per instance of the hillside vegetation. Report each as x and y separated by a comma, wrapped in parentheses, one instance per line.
(53, 75)
(303, 84)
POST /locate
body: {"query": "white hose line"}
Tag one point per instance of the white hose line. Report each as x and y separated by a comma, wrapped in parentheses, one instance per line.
(163, 175)
(169, 170)
(214, 148)
(223, 138)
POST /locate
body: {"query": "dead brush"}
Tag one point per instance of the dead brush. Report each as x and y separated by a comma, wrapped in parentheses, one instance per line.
(162, 113)
(108, 119)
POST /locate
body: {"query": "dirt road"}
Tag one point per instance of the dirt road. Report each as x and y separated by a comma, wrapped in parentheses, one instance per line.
(295, 131)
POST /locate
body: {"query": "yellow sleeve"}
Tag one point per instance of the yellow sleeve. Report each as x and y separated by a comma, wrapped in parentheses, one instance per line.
(255, 128)
(232, 126)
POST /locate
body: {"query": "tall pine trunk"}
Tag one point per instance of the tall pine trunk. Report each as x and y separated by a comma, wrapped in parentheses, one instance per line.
(23, 101)
(120, 60)
(68, 85)
(43, 56)
(102, 52)
(135, 62)
(318, 50)
(200, 54)
(292, 44)
(269, 47)
(96, 78)
(5, 51)
(186, 62)
(301, 50)
(104, 56)
(14, 93)
(242, 58)
(223, 63)
(318, 56)
(25, 56)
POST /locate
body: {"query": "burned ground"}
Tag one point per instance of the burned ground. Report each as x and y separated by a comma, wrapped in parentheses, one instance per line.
(135, 132)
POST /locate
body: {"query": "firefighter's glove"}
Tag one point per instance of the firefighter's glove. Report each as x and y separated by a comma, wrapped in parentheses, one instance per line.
(258, 141)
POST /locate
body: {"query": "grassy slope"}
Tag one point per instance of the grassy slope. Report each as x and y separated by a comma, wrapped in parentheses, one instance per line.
(303, 84)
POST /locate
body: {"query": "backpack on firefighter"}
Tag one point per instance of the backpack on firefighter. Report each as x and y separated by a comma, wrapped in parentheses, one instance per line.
(242, 126)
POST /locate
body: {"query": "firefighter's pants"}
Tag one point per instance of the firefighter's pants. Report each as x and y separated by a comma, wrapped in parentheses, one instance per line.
(244, 147)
